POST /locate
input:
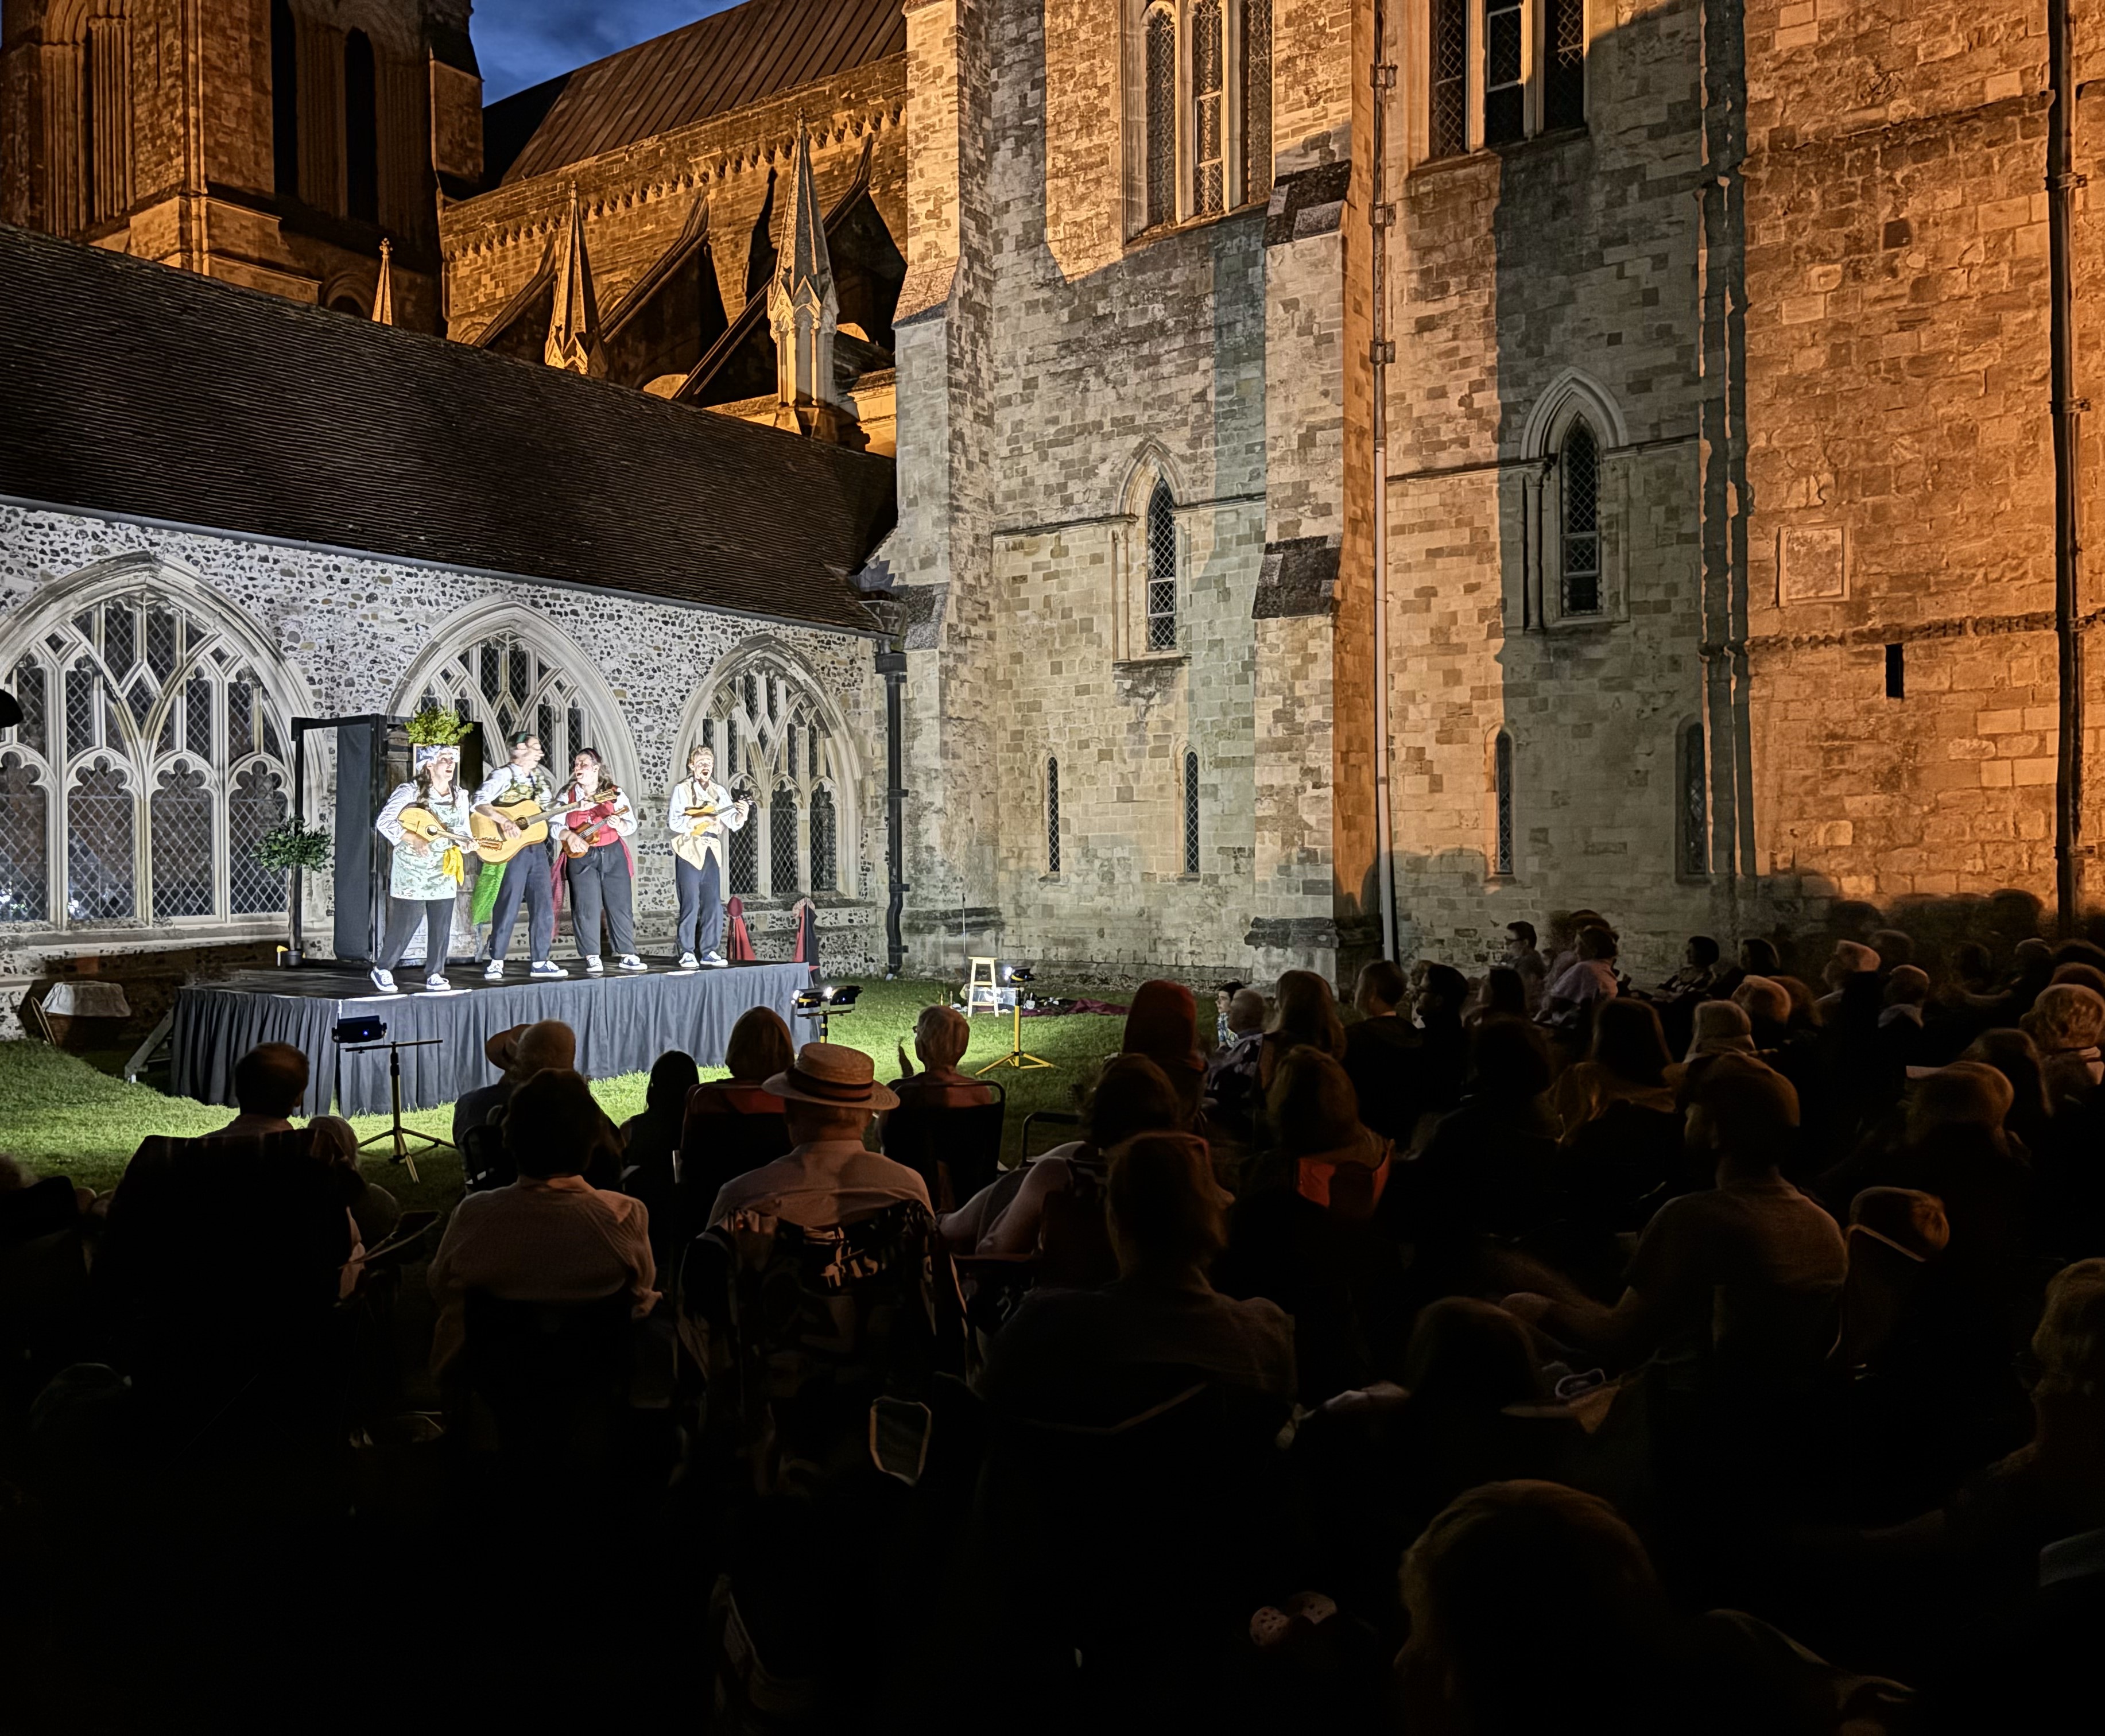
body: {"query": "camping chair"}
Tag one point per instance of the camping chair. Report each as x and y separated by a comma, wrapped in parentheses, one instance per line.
(553, 1376)
(955, 1151)
(717, 1147)
(43, 1289)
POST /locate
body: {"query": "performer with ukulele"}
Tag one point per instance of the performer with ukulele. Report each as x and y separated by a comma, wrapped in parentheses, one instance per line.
(596, 821)
(699, 813)
(427, 870)
(526, 876)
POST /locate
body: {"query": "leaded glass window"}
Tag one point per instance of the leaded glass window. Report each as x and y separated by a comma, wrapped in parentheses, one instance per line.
(1564, 68)
(775, 749)
(1191, 813)
(1052, 816)
(1579, 462)
(1161, 569)
(141, 718)
(258, 804)
(1694, 815)
(1451, 78)
(1502, 798)
(1209, 119)
(1257, 98)
(1505, 89)
(1161, 133)
(506, 683)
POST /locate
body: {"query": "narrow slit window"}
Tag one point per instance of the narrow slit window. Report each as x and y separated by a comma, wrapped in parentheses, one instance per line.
(1052, 816)
(1564, 73)
(1501, 804)
(1505, 86)
(1695, 802)
(1191, 813)
(1451, 78)
(1257, 98)
(1209, 121)
(1161, 569)
(1896, 671)
(1580, 463)
(1161, 136)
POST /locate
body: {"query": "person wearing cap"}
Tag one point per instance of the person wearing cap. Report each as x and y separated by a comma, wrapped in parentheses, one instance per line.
(829, 1093)
(1750, 1268)
(527, 876)
(518, 1054)
(424, 875)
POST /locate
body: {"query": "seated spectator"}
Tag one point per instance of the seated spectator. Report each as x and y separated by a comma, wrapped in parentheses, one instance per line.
(1766, 1003)
(941, 1035)
(1381, 1051)
(1590, 978)
(2065, 1023)
(1519, 1589)
(1850, 959)
(1749, 1270)
(2014, 1055)
(650, 1143)
(1804, 1003)
(1162, 1024)
(1487, 1165)
(829, 1094)
(1722, 1027)
(1758, 957)
(1907, 994)
(1231, 1072)
(760, 1047)
(1625, 1062)
(372, 1209)
(1224, 998)
(1521, 955)
(1565, 928)
(2086, 976)
(1304, 1233)
(1699, 969)
(550, 1236)
(269, 1085)
(1443, 1051)
(1895, 949)
(1503, 995)
(1303, 1010)
(1131, 1096)
(518, 1053)
(1053, 1358)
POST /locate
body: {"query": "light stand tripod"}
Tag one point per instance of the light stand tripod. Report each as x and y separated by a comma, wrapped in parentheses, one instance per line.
(1017, 1057)
(397, 1135)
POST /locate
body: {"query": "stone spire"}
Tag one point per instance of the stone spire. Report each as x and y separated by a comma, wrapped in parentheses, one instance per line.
(573, 334)
(383, 298)
(803, 309)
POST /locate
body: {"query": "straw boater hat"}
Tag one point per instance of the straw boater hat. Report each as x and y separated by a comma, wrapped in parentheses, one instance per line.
(834, 1074)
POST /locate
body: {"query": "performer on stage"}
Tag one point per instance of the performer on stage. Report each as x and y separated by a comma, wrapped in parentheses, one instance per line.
(426, 873)
(700, 814)
(597, 816)
(526, 876)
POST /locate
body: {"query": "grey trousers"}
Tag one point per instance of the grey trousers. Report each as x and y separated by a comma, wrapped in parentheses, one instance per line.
(599, 885)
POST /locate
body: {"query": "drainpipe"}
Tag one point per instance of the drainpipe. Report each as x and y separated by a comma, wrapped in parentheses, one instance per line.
(892, 665)
(2061, 183)
(1381, 352)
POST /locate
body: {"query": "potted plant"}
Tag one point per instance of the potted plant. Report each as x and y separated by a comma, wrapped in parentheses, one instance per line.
(434, 727)
(290, 846)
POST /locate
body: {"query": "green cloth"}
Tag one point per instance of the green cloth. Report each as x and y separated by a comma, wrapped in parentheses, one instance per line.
(485, 893)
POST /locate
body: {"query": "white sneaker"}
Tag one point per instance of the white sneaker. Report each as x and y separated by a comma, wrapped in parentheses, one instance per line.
(437, 985)
(546, 968)
(688, 961)
(629, 961)
(593, 968)
(713, 960)
(384, 980)
(495, 972)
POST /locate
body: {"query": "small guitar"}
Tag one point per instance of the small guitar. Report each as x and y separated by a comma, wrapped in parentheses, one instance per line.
(575, 843)
(421, 822)
(489, 841)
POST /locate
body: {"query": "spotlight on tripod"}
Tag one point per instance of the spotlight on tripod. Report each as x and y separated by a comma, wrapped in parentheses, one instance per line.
(1015, 979)
(362, 1035)
(825, 1001)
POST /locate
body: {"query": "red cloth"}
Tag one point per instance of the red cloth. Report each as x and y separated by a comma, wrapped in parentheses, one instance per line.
(738, 943)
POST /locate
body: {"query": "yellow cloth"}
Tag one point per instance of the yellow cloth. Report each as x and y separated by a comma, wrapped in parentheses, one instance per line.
(451, 864)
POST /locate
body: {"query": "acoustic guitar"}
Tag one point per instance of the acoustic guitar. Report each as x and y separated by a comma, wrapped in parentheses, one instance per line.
(490, 844)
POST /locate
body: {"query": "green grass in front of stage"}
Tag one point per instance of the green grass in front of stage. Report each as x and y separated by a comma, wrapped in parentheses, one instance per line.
(62, 1115)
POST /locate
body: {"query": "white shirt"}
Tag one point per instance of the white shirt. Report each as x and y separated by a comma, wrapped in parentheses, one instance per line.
(695, 841)
(507, 774)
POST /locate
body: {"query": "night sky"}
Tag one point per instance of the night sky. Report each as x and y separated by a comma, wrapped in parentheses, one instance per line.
(520, 42)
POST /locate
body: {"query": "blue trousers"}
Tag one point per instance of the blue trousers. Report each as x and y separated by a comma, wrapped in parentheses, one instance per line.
(700, 926)
(526, 876)
(599, 883)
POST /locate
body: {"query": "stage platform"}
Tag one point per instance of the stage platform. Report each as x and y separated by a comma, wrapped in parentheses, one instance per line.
(624, 1022)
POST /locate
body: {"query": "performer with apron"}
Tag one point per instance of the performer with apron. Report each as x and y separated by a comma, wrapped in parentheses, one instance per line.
(596, 822)
(526, 877)
(426, 872)
(700, 814)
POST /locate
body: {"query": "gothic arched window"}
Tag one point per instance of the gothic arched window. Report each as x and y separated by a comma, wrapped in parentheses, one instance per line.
(1257, 98)
(1160, 77)
(149, 762)
(87, 67)
(1502, 804)
(1191, 812)
(1161, 569)
(775, 749)
(1052, 816)
(1579, 461)
(507, 684)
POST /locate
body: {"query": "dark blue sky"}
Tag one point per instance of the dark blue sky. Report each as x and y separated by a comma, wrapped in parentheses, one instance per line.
(520, 42)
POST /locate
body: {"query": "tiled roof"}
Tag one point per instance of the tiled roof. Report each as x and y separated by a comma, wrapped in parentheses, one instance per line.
(135, 388)
(706, 68)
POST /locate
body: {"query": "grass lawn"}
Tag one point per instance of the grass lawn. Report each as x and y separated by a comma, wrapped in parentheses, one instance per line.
(59, 1115)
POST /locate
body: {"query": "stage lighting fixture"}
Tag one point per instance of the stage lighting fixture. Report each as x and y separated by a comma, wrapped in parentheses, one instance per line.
(363, 1029)
(826, 1000)
(1016, 974)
